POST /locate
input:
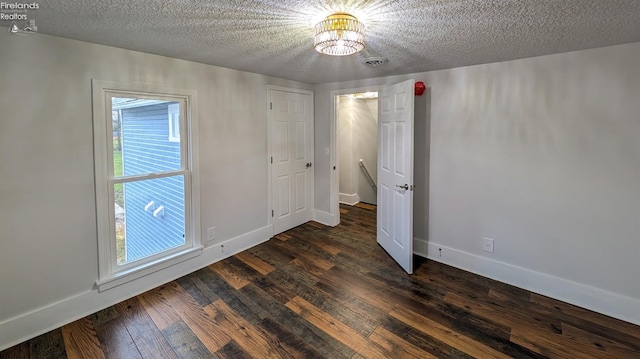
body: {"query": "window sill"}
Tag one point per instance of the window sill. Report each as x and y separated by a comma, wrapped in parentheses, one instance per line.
(146, 269)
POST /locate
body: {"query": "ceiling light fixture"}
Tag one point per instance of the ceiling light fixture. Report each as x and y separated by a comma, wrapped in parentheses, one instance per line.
(339, 34)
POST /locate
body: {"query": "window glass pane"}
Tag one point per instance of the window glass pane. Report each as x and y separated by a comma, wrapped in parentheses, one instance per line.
(142, 136)
(152, 219)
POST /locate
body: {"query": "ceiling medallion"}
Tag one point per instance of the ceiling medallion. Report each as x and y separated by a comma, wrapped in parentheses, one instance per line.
(339, 34)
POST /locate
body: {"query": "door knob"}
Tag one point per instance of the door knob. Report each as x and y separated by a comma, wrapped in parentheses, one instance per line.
(309, 164)
(405, 187)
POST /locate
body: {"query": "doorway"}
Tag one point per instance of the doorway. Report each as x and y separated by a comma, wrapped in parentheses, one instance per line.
(357, 149)
(419, 186)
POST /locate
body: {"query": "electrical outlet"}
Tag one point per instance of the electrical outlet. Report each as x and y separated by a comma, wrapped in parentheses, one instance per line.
(211, 233)
(487, 245)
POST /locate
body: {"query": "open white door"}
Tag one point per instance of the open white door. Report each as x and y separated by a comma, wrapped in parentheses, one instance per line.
(291, 123)
(395, 172)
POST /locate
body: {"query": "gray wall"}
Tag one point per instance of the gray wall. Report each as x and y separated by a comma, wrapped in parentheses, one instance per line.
(366, 146)
(48, 245)
(540, 154)
(357, 129)
(345, 138)
(421, 153)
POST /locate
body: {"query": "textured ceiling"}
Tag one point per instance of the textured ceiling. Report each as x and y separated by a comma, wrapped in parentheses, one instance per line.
(275, 37)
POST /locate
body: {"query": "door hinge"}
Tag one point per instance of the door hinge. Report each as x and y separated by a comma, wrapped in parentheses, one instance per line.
(270, 105)
(271, 159)
(272, 213)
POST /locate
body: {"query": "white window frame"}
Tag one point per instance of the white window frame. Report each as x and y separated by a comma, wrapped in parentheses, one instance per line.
(110, 273)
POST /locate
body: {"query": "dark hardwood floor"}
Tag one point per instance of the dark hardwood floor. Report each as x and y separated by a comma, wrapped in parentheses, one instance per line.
(320, 292)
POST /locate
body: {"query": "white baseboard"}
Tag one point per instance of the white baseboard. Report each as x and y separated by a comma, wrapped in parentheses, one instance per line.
(349, 199)
(325, 218)
(592, 298)
(39, 321)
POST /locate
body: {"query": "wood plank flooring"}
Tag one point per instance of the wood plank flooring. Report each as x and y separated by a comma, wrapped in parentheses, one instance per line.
(320, 292)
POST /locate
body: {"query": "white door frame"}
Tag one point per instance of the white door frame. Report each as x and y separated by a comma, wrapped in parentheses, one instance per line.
(334, 183)
(270, 150)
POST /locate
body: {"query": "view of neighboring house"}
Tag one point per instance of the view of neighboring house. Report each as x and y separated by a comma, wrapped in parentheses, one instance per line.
(153, 219)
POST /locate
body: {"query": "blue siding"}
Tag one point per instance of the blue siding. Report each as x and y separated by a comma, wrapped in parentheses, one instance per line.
(146, 149)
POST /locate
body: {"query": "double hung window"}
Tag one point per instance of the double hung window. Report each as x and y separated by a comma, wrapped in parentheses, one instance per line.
(145, 169)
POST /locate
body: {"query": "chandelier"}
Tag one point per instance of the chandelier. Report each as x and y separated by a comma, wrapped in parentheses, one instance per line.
(338, 35)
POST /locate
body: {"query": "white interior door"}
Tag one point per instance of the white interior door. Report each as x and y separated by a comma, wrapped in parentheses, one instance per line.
(395, 172)
(292, 155)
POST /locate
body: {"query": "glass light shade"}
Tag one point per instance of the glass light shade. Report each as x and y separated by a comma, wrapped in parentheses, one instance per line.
(338, 35)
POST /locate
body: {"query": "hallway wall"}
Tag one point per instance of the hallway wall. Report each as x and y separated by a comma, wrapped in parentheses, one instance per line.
(357, 138)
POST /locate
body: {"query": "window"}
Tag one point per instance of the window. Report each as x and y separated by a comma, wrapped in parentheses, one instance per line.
(145, 165)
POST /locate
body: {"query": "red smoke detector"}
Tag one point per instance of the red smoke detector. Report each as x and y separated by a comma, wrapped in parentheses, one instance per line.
(419, 88)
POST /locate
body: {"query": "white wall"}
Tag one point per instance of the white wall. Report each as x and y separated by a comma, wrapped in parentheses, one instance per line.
(48, 250)
(542, 155)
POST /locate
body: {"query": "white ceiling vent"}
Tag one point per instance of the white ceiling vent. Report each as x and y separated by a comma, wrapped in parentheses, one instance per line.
(374, 61)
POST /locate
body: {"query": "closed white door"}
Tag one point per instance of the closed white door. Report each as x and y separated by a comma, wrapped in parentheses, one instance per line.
(291, 116)
(395, 172)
